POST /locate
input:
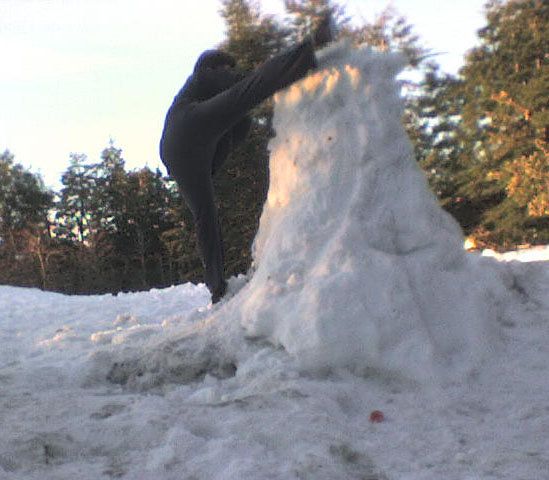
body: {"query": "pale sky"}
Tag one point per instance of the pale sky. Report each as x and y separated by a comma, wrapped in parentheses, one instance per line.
(75, 73)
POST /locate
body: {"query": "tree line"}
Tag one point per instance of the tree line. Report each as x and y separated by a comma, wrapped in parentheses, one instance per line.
(481, 137)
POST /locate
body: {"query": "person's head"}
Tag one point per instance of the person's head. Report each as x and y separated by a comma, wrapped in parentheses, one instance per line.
(213, 59)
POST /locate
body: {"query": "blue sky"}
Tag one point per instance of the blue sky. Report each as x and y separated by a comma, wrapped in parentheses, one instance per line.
(76, 73)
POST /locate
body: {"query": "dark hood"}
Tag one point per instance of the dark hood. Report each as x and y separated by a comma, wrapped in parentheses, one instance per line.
(207, 79)
(212, 59)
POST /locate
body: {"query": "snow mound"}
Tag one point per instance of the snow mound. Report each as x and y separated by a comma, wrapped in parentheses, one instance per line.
(355, 262)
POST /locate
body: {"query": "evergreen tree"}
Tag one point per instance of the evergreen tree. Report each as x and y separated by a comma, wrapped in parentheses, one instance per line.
(144, 219)
(75, 209)
(24, 202)
(307, 14)
(390, 32)
(110, 225)
(109, 192)
(506, 124)
(251, 37)
(24, 224)
(432, 120)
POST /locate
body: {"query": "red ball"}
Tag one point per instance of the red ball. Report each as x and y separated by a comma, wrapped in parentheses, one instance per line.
(377, 416)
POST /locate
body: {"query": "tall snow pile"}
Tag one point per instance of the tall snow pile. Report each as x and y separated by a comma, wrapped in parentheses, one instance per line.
(355, 262)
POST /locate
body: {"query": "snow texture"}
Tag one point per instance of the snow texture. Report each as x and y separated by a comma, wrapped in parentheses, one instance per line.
(361, 299)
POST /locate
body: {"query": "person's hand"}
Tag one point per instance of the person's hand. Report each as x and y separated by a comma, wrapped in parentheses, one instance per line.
(325, 31)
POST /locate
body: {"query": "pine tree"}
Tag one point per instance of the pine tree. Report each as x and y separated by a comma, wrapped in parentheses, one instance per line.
(24, 224)
(432, 120)
(145, 218)
(109, 192)
(506, 124)
(390, 31)
(24, 202)
(251, 36)
(106, 223)
(75, 209)
(307, 14)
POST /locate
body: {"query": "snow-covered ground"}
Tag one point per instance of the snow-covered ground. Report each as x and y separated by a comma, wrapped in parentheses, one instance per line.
(362, 299)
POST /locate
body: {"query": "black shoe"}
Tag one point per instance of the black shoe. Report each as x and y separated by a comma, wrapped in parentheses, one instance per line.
(325, 31)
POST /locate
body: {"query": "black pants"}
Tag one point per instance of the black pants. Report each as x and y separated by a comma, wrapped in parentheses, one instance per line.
(193, 139)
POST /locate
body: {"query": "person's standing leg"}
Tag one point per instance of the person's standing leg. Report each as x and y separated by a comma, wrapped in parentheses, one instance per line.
(199, 196)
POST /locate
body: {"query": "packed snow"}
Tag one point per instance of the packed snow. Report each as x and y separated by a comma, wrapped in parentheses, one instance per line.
(361, 299)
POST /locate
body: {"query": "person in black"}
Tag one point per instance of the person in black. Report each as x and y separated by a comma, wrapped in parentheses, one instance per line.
(208, 117)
